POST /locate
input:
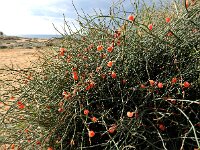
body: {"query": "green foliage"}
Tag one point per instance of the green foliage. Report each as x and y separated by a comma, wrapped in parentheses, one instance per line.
(149, 98)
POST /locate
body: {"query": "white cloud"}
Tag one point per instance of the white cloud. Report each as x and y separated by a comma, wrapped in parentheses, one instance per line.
(16, 17)
(36, 16)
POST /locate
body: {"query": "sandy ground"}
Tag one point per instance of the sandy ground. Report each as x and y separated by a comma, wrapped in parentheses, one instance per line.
(16, 59)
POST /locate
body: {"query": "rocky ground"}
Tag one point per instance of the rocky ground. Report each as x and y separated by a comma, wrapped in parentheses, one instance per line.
(17, 50)
(13, 42)
(18, 54)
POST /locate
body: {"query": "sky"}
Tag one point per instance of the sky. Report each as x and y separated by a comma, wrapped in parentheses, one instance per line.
(19, 17)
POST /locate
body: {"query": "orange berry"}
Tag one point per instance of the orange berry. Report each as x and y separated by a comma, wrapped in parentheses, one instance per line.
(174, 80)
(94, 119)
(162, 127)
(131, 18)
(38, 142)
(110, 63)
(110, 49)
(167, 20)
(100, 47)
(112, 129)
(88, 87)
(142, 86)
(124, 81)
(19, 103)
(118, 42)
(113, 75)
(187, 3)
(186, 84)
(62, 51)
(67, 96)
(151, 82)
(60, 109)
(160, 85)
(64, 93)
(91, 133)
(12, 98)
(169, 33)
(49, 148)
(75, 75)
(21, 106)
(130, 114)
(92, 84)
(26, 130)
(86, 112)
(150, 26)
(12, 146)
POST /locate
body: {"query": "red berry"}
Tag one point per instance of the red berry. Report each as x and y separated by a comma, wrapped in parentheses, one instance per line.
(60, 109)
(86, 112)
(142, 86)
(110, 49)
(109, 64)
(91, 133)
(160, 85)
(100, 47)
(75, 75)
(12, 146)
(112, 129)
(151, 82)
(169, 33)
(12, 98)
(22, 106)
(62, 51)
(186, 84)
(150, 26)
(19, 103)
(174, 80)
(113, 75)
(49, 148)
(167, 19)
(38, 142)
(88, 88)
(94, 119)
(162, 127)
(131, 18)
(130, 114)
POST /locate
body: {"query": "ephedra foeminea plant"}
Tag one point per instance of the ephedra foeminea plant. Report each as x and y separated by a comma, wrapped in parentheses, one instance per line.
(127, 80)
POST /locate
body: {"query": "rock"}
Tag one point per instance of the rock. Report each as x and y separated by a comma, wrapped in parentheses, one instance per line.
(1, 33)
(3, 47)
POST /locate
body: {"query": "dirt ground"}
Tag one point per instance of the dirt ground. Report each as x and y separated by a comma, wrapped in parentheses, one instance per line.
(16, 59)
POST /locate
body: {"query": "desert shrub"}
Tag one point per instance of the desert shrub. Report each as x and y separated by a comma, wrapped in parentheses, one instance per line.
(117, 83)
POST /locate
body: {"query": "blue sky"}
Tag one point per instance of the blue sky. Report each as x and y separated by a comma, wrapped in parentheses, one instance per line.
(36, 16)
